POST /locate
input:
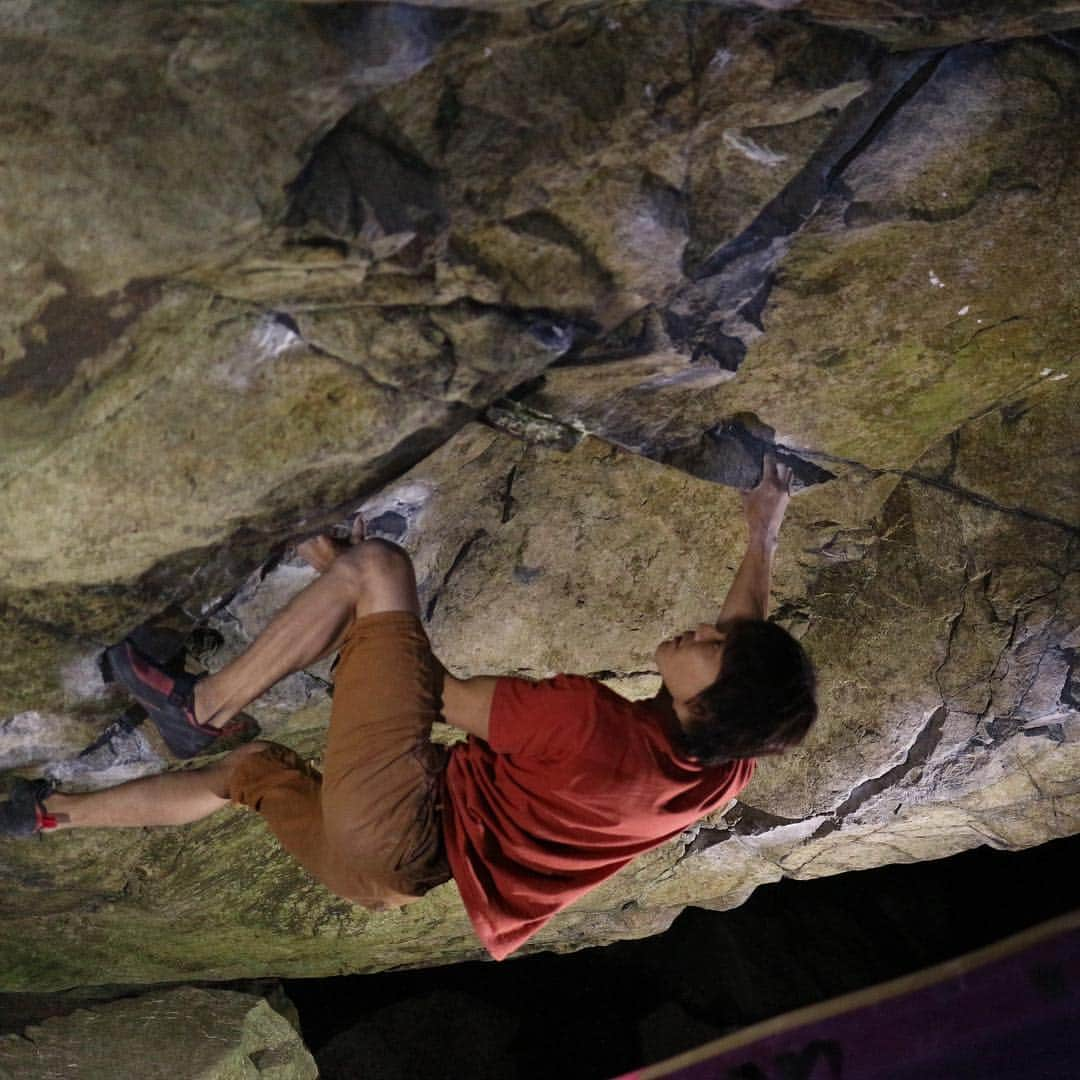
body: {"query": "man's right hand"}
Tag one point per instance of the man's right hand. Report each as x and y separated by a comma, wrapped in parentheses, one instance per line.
(764, 506)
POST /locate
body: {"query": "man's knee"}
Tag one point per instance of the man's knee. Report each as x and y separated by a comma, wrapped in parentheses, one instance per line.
(379, 576)
(354, 867)
(221, 771)
(256, 746)
(372, 560)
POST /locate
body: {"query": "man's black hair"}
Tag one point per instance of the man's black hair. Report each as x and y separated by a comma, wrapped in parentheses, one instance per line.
(763, 701)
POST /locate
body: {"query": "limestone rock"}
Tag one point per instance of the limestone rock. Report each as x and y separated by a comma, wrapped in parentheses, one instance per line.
(534, 293)
(259, 414)
(139, 159)
(920, 23)
(201, 1034)
(909, 24)
(942, 250)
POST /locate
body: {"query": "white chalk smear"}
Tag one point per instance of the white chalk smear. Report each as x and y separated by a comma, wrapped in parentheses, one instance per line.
(720, 59)
(1046, 371)
(748, 148)
(964, 310)
(408, 499)
(271, 337)
(82, 679)
(936, 281)
(1059, 376)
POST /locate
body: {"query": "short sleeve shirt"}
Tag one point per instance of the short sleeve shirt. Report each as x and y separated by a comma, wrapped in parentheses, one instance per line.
(572, 783)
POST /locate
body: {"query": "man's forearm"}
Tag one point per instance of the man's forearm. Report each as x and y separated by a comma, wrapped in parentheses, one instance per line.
(763, 508)
(748, 597)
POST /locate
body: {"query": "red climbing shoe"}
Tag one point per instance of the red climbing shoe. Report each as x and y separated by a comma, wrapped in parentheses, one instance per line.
(24, 813)
(170, 701)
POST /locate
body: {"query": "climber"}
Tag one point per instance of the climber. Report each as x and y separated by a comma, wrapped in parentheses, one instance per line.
(560, 783)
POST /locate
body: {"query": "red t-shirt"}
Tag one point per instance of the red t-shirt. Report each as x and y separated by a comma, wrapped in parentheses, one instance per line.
(572, 783)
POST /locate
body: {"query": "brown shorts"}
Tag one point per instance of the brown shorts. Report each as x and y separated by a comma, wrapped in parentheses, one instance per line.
(370, 827)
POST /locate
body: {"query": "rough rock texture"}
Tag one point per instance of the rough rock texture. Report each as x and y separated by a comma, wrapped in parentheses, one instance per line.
(200, 1034)
(534, 292)
(909, 24)
(904, 24)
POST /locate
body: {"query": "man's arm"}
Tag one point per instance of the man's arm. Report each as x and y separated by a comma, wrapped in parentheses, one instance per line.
(748, 597)
(466, 703)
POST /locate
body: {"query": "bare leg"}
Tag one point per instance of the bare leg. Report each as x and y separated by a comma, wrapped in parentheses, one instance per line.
(173, 798)
(357, 580)
(369, 577)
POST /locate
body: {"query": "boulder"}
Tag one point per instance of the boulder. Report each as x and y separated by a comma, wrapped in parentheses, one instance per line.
(941, 633)
(534, 294)
(128, 150)
(201, 1034)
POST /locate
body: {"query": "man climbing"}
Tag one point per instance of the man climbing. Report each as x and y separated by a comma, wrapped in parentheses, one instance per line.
(560, 784)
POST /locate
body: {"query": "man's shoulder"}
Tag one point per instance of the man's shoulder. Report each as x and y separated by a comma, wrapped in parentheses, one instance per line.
(588, 686)
(559, 683)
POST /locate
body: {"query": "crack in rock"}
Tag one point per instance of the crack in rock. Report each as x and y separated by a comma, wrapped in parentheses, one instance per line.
(532, 426)
(607, 673)
(718, 316)
(920, 751)
(986, 329)
(459, 558)
(1070, 690)
(732, 453)
(746, 823)
(507, 500)
(899, 79)
(954, 624)
(729, 453)
(940, 484)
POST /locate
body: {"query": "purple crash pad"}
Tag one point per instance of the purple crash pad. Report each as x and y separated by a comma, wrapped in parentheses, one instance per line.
(1007, 1012)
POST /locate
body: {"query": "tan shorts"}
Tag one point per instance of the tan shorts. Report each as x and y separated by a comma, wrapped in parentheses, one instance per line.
(370, 826)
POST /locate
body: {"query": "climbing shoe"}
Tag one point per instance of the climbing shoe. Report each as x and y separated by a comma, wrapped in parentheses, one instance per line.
(24, 813)
(170, 702)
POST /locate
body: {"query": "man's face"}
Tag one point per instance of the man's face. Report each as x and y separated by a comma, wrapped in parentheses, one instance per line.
(690, 662)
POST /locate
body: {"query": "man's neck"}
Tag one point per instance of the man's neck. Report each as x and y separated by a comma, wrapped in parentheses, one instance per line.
(663, 702)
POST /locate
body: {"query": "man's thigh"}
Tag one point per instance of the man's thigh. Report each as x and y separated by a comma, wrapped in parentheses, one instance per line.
(382, 776)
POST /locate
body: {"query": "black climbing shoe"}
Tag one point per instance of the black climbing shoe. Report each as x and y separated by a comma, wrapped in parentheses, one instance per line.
(24, 813)
(170, 701)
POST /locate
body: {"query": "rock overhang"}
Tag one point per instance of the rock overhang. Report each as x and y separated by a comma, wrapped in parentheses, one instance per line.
(518, 380)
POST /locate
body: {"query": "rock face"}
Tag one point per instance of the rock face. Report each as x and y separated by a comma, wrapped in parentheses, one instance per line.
(202, 1034)
(534, 292)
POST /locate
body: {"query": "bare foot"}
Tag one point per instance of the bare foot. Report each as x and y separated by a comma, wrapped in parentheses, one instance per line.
(320, 551)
